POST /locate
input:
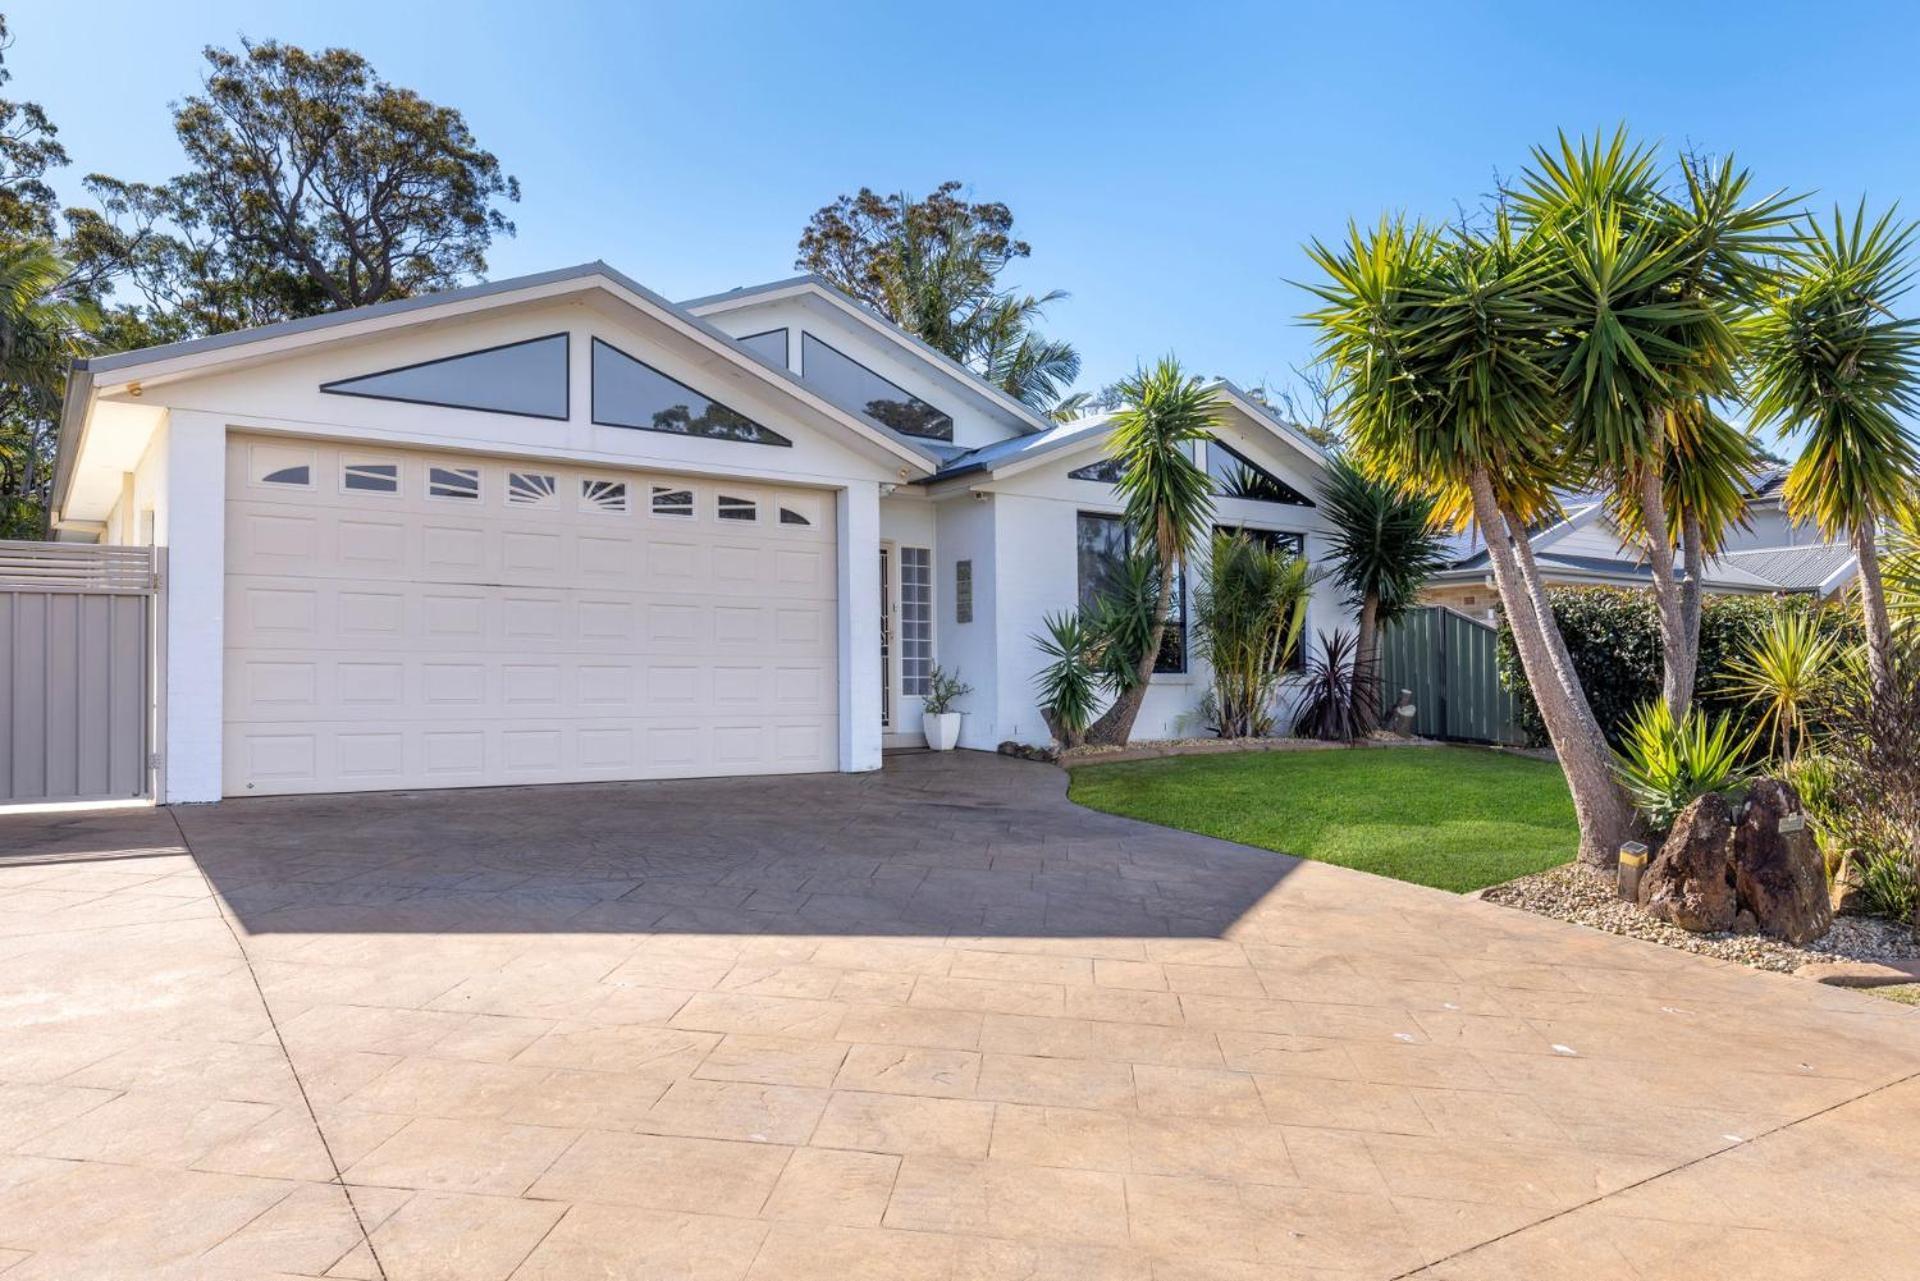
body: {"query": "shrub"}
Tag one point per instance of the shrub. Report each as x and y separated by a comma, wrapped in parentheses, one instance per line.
(1665, 766)
(1613, 635)
(944, 689)
(1868, 808)
(1069, 683)
(1247, 620)
(1326, 690)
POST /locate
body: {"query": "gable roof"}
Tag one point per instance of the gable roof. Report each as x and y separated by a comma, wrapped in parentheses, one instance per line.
(1005, 457)
(203, 355)
(1028, 419)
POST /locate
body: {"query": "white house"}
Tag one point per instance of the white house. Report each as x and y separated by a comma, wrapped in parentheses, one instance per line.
(558, 528)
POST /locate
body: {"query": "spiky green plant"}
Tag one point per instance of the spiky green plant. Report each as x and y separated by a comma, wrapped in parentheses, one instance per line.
(1068, 683)
(1837, 366)
(1666, 765)
(1781, 674)
(1247, 621)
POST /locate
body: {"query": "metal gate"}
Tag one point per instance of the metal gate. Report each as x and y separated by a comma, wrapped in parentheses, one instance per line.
(76, 671)
(1448, 660)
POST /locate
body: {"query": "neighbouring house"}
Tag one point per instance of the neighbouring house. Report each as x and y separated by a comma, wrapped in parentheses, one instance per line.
(1584, 548)
(558, 528)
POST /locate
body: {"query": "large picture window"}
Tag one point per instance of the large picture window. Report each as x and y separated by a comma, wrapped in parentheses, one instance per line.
(1103, 544)
(846, 381)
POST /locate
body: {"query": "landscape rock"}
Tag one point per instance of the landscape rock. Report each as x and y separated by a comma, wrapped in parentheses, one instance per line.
(1687, 884)
(1777, 870)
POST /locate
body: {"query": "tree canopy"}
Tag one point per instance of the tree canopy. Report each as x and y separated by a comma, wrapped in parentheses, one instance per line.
(932, 266)
(313, 184)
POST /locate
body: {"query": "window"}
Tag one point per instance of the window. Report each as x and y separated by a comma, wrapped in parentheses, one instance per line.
(1106, 471)
(1103, 548)
(1237, 476)
(788, 516)
(301, 475)
(453, 482)
(770, 346)
(630, 393)
(846, 381)
(1273, 540)
(963, 591)
(668, 501)
(371, 478)
(916, 620)
(609, 496)
(728, 507)
(532, 489)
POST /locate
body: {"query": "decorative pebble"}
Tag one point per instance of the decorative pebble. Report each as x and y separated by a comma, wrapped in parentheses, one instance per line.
(1572, 892)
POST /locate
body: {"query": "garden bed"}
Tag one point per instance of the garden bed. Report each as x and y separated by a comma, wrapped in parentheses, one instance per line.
(1576, 893)
(1158, 748)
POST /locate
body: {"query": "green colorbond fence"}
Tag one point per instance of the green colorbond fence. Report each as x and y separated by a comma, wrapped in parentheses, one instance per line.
(1447, 660)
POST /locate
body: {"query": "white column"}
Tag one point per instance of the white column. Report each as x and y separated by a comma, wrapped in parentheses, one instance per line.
(196, 538)
(857, 521)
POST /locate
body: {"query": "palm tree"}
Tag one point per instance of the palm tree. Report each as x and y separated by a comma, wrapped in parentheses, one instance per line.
(1385, 547)
(1643, 292)
(1442, 369)
(1013, 356)
(41, 330)
(1165, 411)
(1834, 362)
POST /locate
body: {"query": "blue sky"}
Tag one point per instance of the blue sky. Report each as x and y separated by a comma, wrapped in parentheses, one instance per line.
(1167, 163)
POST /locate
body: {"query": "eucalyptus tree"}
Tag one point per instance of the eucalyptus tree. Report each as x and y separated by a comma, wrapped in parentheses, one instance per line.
(1384, 548)
(1644, 290)
(43, 326)
(1168, 499)
(1834, 363)
(1446, 387)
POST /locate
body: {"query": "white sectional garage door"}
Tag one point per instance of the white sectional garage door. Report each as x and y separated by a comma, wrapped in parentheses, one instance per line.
(403, 619)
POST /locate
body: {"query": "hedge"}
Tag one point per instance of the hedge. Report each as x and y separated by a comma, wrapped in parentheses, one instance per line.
(1613, 635)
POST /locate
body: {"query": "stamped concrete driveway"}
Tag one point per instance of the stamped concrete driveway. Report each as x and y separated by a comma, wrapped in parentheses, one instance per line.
(935, 1023)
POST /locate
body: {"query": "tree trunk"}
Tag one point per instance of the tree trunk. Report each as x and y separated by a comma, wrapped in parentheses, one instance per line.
(1693, 543)
(1115, 725)
(1605, 817)
(1873, 604)
(1366, 667)
(1677, 657)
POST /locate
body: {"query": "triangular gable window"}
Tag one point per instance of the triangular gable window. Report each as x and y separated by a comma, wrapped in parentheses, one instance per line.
(1106, 471)
(630, 393)
(527, 378)
(1237, 476)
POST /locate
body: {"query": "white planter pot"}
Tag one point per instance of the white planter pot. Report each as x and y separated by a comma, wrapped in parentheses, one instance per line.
(943, 730)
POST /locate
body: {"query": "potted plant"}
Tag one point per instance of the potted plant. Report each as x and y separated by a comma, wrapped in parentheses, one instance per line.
(937, 717)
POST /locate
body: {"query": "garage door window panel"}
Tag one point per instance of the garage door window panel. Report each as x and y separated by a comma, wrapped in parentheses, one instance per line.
(369, 478)
(671, 502)
(532, 489)
(460, 484)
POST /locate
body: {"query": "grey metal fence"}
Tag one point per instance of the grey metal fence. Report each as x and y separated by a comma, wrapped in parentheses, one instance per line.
(76, 680)
(1448, 660)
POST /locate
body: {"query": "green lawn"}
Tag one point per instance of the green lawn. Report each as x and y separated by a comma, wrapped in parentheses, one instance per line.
(1457, 818)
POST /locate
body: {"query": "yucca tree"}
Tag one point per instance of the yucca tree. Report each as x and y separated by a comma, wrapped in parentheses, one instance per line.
(1384, 547)
(1164, 412)
(1644, 290)
(1834, 363)
(1443, 380)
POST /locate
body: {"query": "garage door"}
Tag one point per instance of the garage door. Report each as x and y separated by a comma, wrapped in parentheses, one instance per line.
(403, 619)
